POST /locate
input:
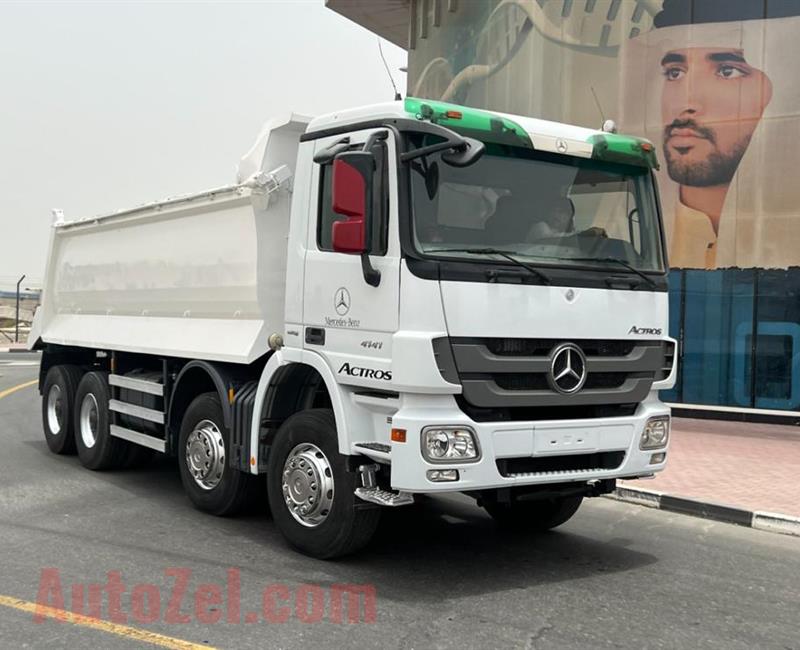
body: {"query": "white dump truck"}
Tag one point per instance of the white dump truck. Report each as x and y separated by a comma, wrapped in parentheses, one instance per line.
(399, 299)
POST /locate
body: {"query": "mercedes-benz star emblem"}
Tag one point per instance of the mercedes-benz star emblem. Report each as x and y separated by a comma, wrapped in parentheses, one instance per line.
(567, 369)
(341, 301)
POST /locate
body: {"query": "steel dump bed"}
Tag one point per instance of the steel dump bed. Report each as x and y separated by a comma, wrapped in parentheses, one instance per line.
(199, 276)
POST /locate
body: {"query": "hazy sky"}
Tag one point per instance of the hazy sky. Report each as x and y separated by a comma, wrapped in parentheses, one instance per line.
(106, 105)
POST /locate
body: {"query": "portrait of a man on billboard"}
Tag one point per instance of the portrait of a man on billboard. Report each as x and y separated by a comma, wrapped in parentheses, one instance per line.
(712, 84)
(711, 103)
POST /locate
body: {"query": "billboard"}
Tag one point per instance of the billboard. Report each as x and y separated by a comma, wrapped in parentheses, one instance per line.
(710, 82)
(713, 84)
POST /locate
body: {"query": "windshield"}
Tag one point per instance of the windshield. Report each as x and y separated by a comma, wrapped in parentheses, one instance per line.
(542, 208)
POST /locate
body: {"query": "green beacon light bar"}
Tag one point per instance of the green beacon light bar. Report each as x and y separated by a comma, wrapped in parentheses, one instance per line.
(624, 149)
(488, 127)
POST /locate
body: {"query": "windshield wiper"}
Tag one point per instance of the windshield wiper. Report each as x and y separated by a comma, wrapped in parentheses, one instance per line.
(630, 267)
(495, 251)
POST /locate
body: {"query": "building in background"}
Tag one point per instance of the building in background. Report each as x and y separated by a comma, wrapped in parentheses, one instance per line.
(29, 300)
(714, 85)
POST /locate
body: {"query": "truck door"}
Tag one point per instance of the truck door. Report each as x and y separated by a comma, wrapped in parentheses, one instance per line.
(347, 320)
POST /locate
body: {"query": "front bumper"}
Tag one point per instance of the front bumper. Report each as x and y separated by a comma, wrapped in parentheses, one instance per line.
(546, 439)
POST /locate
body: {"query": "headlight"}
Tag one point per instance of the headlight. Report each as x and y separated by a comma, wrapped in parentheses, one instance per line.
(655, 433)
(449, 444)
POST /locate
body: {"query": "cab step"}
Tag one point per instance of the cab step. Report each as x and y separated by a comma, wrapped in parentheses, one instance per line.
(375, 446)
(384, 497)
(376, 451)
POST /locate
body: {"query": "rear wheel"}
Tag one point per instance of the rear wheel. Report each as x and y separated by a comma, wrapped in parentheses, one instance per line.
(538, 515)
(311, 493)
(58, 405)
(210, 482)
(97, 448)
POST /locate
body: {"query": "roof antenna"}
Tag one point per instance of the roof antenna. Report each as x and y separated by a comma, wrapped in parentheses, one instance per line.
(609, 126)
(397, 95)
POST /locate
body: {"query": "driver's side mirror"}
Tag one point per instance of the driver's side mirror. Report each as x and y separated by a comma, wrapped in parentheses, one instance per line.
(352, 198)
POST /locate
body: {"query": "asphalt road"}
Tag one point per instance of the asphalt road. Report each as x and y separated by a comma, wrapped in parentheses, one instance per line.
(617, 575)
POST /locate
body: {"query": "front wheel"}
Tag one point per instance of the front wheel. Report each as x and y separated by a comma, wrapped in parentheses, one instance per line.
(538, 515)
(311, 493)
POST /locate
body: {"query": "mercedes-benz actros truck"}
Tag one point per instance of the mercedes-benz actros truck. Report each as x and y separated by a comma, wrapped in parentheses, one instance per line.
(400, 299)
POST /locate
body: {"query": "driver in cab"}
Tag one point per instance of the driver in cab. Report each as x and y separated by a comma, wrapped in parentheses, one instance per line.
(553, 218)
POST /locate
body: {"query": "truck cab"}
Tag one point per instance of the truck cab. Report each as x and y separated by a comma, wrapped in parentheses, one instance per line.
(513, 330)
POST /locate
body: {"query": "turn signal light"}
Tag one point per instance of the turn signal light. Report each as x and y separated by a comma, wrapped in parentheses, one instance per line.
(398, 435)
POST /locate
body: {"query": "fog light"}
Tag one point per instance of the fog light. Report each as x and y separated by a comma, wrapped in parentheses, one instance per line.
(655, 459)
(441, 475)
(448, 444)
(655, 433)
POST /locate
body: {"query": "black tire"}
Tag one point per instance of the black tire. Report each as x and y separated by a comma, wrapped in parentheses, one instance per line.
(106, 452)
(350, 522)
(538, 515)
(62, 382)
(234, 489)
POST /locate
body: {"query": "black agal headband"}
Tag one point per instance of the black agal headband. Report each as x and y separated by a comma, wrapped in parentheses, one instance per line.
(692, 12)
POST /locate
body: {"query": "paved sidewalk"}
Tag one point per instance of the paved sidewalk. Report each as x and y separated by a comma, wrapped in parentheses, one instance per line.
(750, 466)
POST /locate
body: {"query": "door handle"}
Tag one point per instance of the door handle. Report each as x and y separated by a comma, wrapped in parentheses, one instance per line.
(315, 335)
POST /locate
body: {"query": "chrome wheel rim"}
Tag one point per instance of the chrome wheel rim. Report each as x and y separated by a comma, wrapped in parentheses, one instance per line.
(88, 420)
(205, 454)
(55, 409)
(308, 484)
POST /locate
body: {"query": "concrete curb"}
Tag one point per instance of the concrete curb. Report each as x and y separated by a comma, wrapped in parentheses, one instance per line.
(769, 521)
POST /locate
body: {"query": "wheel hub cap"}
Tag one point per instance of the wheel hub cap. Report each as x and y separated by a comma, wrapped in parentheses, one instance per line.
(88, 420)
(55, 409)
(308, 484)
(205, 454)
